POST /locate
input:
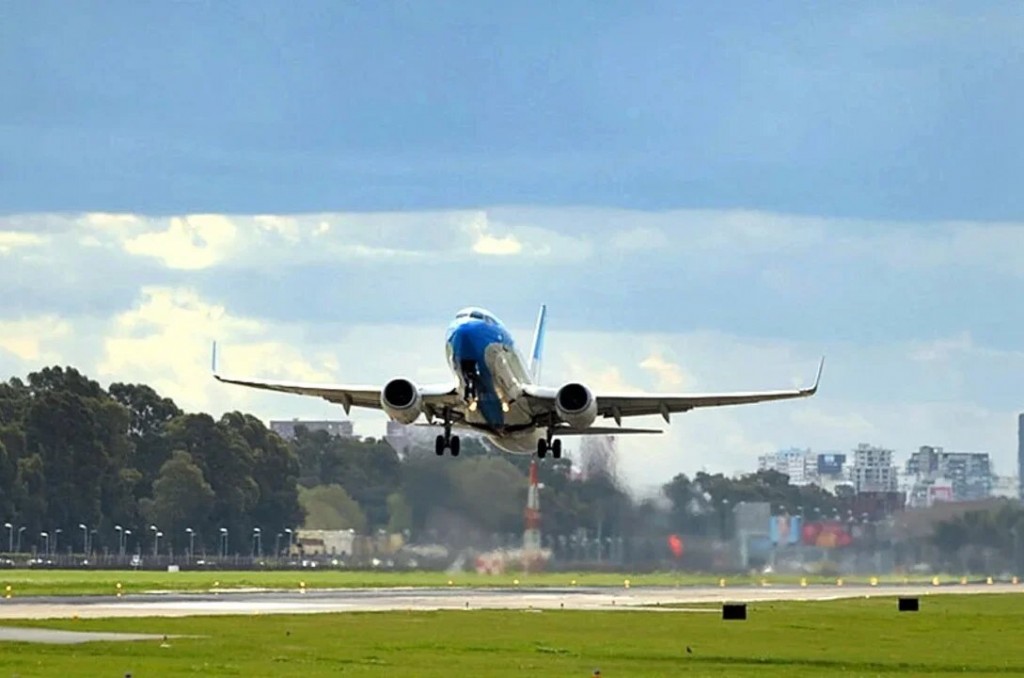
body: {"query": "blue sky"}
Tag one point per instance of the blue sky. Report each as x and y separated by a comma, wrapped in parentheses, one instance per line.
(707, 195)
(878, 109)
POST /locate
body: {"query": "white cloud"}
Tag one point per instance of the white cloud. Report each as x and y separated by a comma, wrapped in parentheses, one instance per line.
(12, 240)
(489, 244)
(32, 340)
(166, 341)
(191, 242)
(670, 375)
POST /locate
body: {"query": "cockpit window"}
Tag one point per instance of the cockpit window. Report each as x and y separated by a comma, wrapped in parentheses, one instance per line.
(476, 314)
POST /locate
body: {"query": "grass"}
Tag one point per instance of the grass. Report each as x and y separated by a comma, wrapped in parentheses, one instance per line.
(104, 582)
(964, 635)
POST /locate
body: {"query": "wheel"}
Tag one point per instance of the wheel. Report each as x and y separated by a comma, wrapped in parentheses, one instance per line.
(439, 446)
(542, 448)
(556, 449)
(454, 446)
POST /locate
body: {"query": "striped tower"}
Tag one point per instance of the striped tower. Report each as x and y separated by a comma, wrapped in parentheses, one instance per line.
(531, 535)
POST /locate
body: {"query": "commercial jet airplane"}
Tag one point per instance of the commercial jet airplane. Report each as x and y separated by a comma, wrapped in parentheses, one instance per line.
(496, 393)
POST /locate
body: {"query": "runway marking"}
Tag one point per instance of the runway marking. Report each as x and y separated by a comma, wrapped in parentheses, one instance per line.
(387, 600)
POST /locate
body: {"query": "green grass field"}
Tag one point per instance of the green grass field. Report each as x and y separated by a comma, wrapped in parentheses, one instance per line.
(104, 582)
(964, 635)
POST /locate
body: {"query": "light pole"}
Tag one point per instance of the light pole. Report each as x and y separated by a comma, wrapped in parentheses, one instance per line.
(10, 537)
(46, 536)
(125, 547)
(155, 538)
(56, 534)
(257, 544)
(85, 538)
(277, 545)
(20, 530)
(156, 542)
(290, 534)
(120, 539)
(191, 542)
(223, 542)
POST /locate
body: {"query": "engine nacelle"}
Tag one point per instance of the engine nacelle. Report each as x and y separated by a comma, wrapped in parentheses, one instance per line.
(576, 405)
(401, 401)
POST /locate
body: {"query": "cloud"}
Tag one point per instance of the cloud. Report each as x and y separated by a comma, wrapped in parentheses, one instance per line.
(33, 339)
(166, 339)
(189, 243)
(669, 375)
(12, 240)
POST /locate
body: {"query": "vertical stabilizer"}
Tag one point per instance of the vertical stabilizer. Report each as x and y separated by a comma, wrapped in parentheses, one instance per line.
(537, 350)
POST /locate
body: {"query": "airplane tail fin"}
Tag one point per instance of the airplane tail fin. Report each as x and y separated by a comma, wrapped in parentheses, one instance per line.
(537, 350)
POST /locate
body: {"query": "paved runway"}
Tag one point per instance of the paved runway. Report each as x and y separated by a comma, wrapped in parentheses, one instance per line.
(454, 598)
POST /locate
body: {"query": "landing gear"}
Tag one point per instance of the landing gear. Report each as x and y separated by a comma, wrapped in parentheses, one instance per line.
(447, 441)
(543, 446)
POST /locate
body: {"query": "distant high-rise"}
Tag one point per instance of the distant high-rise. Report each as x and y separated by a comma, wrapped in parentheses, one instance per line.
(1020, 455)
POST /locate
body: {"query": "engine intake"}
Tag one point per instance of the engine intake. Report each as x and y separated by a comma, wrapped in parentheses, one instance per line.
(576, 405)
(401, 401)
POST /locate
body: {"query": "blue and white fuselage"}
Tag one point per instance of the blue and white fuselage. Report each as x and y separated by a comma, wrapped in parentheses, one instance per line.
(491, 376)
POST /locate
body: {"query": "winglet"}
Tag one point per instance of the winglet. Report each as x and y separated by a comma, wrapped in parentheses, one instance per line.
(213, 359)
(537, 350)
(817, 378)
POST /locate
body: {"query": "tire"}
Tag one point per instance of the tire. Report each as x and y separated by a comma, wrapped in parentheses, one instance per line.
(454, 446)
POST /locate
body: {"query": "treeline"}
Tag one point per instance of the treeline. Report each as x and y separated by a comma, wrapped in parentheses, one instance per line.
(73, 453)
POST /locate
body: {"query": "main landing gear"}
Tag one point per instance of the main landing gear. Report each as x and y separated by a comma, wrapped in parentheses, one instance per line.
(544, 445)
(447, 441)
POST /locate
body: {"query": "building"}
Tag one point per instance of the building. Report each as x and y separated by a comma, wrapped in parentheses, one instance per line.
(799, 465)
(933, 474)
(286, 429)
(873, 470)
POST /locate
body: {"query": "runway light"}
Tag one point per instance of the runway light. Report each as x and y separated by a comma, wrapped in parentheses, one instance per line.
(989, 581)
(803, 581)
(1015, 580)
(626, 583)
(874, 581)
(516, 582)
(935, 581)
(963, 581)
(721, 583)
(839, 582)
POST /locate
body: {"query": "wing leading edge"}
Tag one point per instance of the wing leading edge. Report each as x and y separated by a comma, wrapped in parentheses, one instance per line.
(619, 405)
(345, 395)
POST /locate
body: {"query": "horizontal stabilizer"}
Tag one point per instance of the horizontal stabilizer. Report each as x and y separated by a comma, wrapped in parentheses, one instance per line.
(603, 431)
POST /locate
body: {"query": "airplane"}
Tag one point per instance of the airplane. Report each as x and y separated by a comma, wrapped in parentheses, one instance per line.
(496, 393)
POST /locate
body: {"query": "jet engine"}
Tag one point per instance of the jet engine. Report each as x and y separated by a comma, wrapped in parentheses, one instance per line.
(576, 405)
(401, 400)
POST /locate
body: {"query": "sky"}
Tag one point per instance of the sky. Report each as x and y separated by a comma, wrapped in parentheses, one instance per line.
(707, 196)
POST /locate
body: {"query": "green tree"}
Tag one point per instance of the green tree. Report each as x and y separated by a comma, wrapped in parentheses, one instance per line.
(329, 507)
(181, 497)
(399, 513)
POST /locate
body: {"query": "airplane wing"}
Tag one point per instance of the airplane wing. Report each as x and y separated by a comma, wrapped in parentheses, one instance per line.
(619, 405)
(345, 395)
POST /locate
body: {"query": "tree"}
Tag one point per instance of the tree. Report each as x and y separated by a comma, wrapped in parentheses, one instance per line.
(329, 507)
(399, 513)
(181, 496)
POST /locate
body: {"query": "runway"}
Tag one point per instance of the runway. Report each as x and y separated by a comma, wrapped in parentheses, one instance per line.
(453, 598)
